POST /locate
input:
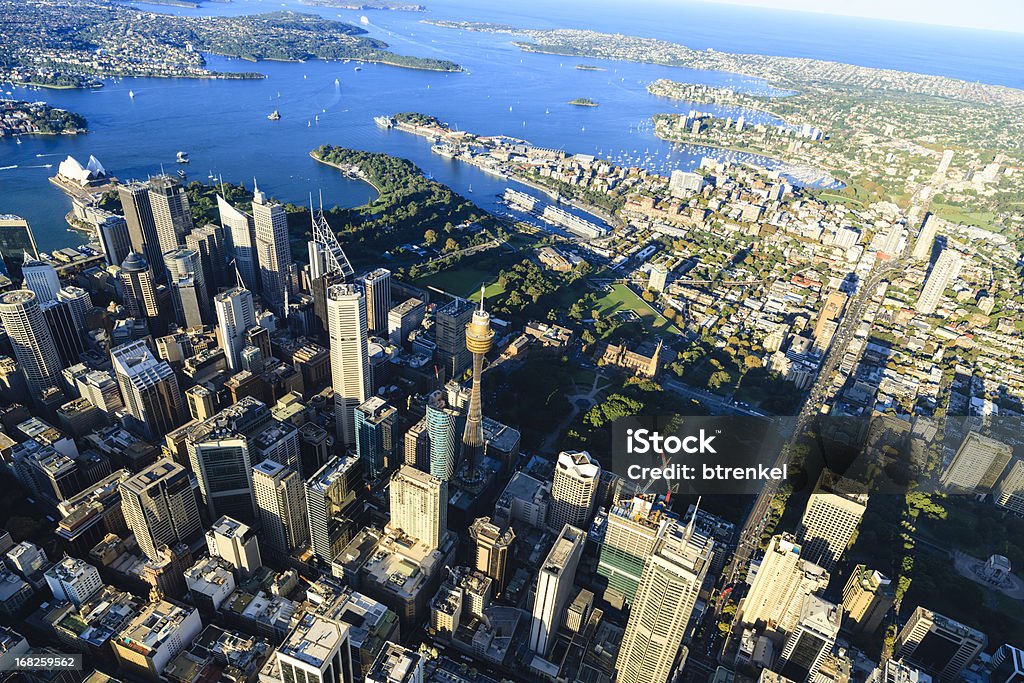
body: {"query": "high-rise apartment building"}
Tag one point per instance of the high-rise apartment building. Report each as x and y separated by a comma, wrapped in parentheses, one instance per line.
(664, 602)
(273, 249)
(830, 519)
(417, 446)
(350, 365)
(977, 465)
(160, 507)
(555, 587)
(944, 272)
(149, 388)
(419, 505)
(79, 303)
(572, 490)
(375, 435)
(925, 239)
(30, 337)
(236, 314)
(781, 582)
(492, 548)
(867, 598)
(377, 285)
(281, 506)
(938, 645)
(65, 331)
(442, 422)
(1009, 492)
(139, 287)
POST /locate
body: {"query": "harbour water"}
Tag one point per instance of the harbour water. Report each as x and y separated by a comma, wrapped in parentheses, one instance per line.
(223, 125)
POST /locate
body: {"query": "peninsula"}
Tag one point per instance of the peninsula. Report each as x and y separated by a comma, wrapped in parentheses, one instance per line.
(37, 118)
(101, 40)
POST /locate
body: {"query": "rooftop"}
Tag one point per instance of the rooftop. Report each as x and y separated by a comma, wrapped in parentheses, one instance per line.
(314, 640)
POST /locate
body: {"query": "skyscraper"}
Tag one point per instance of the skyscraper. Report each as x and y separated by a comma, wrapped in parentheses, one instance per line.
(350, 365)
(160, 507)
(946, 269)
(273, 249)
(631, 531)
(572, 489)
(811, 640)
(377, 285)
(66, 333)
(41, 278)
(316, 650)
(171, 214)
(375, 435)
(241, 234)
(236, 542)
(31, 340)
(450, 322)
(479, 336)
(668, 591)
(867, 598)
(441, 425)
(832, 515)
(114, 238)
(938, 645)
(187, 281)
(925, 239)
(419, 505)
(555, 583)
(777, 591)
(150, 389)
(329, 492)
(492, 548)
(16, 240)
(977, 465)
(209, 241)
(235, 316)
(79, 302)
(138, 213)
(281, 504)
(137, 283)
(417, 446)
(223, 448)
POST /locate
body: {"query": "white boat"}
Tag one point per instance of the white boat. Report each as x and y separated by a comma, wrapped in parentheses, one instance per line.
(131, 94)
(182, 158)
(337, 81)
(364, 20)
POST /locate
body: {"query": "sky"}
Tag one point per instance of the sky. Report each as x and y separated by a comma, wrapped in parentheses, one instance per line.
(997, 15)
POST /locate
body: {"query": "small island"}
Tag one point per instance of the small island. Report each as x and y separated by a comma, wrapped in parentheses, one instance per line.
(37, 118)
(589, 67)
(583, 102)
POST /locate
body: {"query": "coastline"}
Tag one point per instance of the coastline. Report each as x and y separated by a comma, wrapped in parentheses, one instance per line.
(359, 175)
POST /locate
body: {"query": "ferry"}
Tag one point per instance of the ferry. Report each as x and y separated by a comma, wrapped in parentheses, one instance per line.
(444, 151)
(181, 158)
(274, 116)
(364, 20)
(384, 121)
